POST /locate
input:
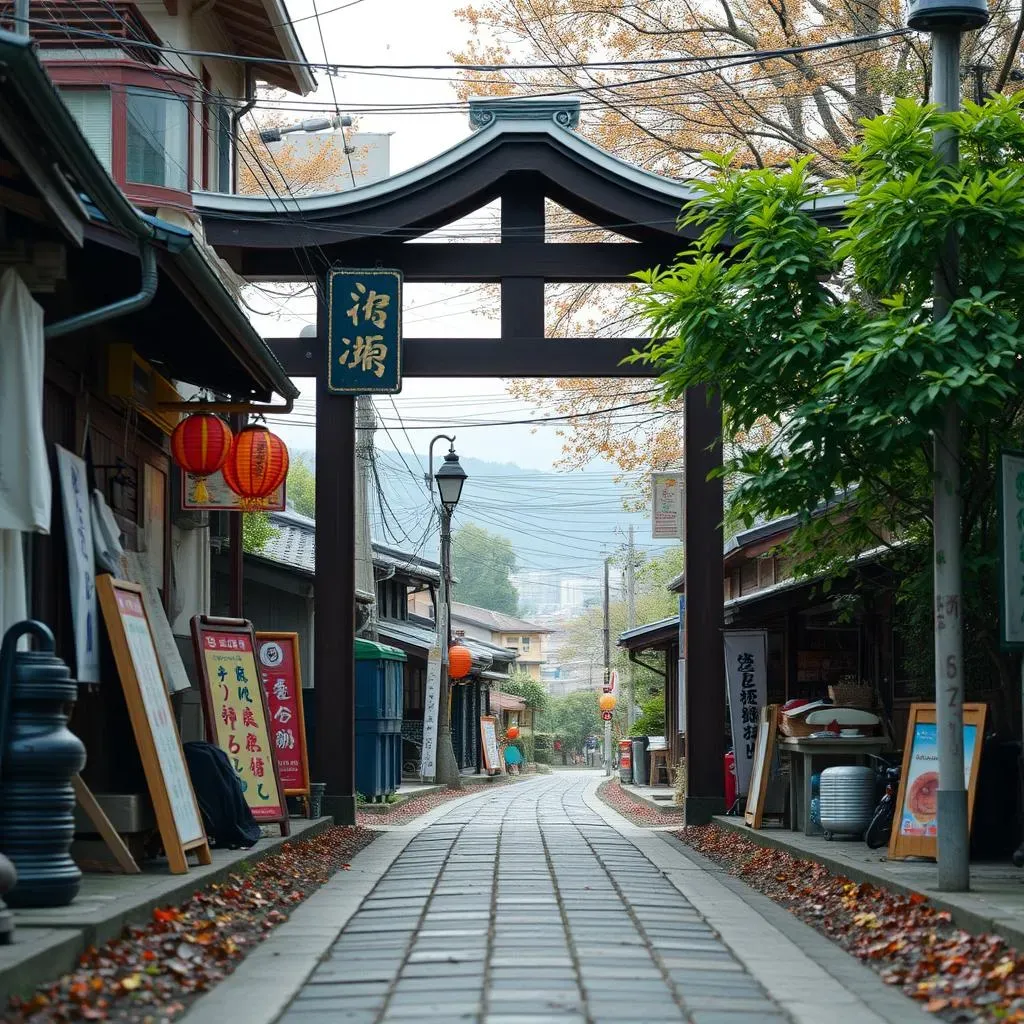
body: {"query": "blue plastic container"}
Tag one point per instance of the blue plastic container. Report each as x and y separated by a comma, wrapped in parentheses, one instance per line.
(379, 675)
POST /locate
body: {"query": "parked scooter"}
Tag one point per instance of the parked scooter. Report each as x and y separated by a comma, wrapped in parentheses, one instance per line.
(877, 834)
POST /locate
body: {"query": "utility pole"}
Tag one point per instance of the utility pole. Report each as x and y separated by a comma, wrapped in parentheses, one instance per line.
(630, 623)
(21, 12)
(947, 20)
(607, 668)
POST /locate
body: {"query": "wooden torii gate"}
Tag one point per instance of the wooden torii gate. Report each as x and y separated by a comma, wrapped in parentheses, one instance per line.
(522, 152)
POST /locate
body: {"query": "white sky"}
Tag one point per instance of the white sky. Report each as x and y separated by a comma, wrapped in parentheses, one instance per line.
(411, 32)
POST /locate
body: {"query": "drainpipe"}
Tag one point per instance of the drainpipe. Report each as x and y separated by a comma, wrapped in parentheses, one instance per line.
(236, 117)
(142, 298)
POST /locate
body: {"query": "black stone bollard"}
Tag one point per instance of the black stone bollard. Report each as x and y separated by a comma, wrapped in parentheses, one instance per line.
(38, 757)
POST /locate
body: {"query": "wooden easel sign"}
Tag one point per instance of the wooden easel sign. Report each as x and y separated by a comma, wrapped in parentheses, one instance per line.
(915, 824)
(761, 768)
(489, 744)
(237, 716)
(152, 718)
(281, 674)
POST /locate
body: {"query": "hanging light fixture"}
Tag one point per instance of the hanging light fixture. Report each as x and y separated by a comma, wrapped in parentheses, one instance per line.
(201, 444)
(256, 466)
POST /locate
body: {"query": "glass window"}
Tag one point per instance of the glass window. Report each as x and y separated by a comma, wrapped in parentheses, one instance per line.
(525, 641)
(91, 109)
(157, 139)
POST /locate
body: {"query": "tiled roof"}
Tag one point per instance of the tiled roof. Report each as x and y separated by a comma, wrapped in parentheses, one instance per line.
(497, 622)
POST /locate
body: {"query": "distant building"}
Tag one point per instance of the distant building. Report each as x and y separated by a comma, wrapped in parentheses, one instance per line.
(526, 639)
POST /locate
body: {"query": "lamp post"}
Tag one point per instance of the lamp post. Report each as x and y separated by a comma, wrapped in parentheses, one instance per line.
(947, 20)
(449, 479)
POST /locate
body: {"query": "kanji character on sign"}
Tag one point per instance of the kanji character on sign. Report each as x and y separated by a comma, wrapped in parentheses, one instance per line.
(283, 714)
(222, 673)
(228, 716)
(284, 739)
(367, 353)
(280, 690)
(252, 745)
(248, 718)
(233, 745)
(243, 694)
(240, 674)
(257, 767)
(374, 306)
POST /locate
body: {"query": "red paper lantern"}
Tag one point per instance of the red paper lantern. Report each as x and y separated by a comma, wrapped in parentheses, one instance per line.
(512, 732)
(460, 662)
(200, 444)
(256, 465)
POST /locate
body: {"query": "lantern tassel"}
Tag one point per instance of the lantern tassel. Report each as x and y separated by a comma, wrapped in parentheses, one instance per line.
(202, 495)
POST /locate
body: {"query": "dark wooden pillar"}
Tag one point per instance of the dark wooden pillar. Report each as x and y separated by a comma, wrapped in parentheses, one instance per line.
(705, 595)
(334, 589)
(522, 224)
(236, 551)
(792, 645)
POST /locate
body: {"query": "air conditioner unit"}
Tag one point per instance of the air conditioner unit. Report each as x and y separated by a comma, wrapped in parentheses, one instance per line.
(132, 379)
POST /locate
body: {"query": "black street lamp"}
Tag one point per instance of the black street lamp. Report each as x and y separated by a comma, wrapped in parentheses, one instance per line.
(449, 478)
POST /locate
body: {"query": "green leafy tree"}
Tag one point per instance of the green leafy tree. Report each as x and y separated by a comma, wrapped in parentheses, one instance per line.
(301, 486)
(523, 685)
(257, 532)
(482, 562)
(827, 332)
(572, 718)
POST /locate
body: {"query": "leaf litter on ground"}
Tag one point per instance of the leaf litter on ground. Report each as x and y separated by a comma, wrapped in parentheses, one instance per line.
(151, 973)
(963, 977)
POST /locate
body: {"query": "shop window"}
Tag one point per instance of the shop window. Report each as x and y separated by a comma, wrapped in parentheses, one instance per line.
(91, 109)
(157, 139)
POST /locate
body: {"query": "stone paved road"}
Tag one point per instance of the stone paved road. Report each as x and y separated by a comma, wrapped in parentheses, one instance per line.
(526, 906)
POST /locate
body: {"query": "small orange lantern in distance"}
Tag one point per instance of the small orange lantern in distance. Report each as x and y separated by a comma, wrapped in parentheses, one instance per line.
(256, 466)
(512, 732)
(607, 701)
(201, 444)
(460, 661)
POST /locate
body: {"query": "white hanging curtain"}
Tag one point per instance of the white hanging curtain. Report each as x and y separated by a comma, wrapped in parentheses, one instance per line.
(25, 486)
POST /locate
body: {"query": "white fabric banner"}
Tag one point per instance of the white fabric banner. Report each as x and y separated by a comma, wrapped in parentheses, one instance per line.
(746, 675)
(431, 706)
(26, 490)
(13, 602)
(81, 564)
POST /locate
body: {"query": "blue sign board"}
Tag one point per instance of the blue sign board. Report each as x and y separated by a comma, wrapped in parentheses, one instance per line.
(364, 332)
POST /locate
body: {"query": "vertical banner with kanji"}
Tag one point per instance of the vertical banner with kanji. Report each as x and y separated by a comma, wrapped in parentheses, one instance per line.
(238, 719)
(746, 675)
(282, 684)
(364, 332)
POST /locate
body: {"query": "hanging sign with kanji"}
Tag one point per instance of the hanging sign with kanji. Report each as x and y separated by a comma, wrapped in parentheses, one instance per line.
(278, 655)
(746, 674)
(364, 332)
(237, 716)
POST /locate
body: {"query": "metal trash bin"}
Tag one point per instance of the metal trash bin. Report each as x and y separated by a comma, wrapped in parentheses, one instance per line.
(639, 760)
(625, 760)
(378, 718)
(847, 800)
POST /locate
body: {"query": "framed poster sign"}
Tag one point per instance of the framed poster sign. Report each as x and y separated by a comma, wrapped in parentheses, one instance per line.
(746, 678)
(915, 825)
(278, 655)
(489, 743)
(220, 497)
(761, 768)
(152, 718)
(237, 715)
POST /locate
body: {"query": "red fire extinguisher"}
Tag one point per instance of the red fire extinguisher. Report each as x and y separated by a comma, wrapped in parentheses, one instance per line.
(730, 780)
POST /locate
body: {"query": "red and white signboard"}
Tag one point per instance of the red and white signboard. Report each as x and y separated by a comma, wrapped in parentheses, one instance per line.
(282, 683)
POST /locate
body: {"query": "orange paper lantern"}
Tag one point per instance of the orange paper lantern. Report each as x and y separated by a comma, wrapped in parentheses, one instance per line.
(512, 732)
(607, 702)
(460, 661)
(200, 444)
(256, 465)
